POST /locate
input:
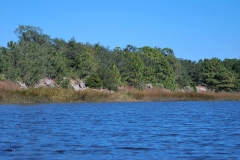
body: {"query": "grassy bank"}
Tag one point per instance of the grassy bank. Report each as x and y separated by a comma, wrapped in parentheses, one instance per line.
(163, 95)
(48, 95)
(13, 94)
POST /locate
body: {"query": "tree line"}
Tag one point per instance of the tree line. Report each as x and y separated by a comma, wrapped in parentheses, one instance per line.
(36, 55)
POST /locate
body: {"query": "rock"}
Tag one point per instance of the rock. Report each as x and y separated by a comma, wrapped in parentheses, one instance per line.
(146, 86)
(78, 85)
(82, 85)
(48, 83)
(45, 82)
(188, 89)
(22, 85)
(201, 88)
(149, 86)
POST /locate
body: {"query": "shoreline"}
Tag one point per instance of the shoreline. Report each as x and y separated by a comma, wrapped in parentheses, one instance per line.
(60, 95)
(119, 102)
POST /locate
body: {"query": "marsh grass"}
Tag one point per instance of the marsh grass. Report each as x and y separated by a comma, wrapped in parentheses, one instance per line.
(6, 89)
(48, 95)
(10, 93)
(165, 95)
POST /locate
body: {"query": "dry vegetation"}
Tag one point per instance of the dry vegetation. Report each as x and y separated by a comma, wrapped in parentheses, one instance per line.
(165, 95)
(11, 93)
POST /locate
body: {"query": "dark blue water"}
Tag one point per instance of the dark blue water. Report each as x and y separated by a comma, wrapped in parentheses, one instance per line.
(148, 130)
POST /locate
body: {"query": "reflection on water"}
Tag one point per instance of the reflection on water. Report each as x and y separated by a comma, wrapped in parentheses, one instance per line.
(146, 130)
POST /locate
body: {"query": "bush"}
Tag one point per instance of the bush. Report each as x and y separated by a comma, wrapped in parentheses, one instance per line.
(65, 83)
(94, 81)
(193, 85)
(2, 78)
(108, 80)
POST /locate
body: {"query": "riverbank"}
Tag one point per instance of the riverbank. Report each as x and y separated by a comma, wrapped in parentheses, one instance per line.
(12, 94)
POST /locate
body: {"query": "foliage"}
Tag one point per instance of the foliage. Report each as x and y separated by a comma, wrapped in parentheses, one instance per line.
(187, 73)
(133, 70)
(233, 65)
(215, 76)
(65, 83)
(94, 81)
(158, 68)
(2, 78)
(116, 75)
(36, 55)
(107, 78)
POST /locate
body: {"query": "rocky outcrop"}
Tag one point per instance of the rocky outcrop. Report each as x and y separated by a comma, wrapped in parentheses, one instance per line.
(46, 82)
(201, 88)
(78, 85)
(188, 89)
(22, 85)
(149, 86)
(191, 89)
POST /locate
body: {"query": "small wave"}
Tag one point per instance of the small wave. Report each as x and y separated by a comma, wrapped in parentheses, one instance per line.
(135, 148)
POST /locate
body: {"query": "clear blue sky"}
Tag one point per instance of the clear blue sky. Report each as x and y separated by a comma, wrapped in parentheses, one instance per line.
(194, 29)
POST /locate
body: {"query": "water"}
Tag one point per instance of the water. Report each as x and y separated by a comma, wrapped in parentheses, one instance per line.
(143, 130)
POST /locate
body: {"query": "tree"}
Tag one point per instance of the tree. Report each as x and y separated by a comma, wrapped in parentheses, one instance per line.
(215, 76)
(172, 60)
(31, 34)
(94, 81)
(133, 70)
(85, 64)
(107, 78)
(116, 75)
(187, 73)
(130, 48)
(36, 55)
(233, 65)
(158, 67)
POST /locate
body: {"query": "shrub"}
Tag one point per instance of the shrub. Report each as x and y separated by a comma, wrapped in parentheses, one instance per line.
(2, 78)
(65, 83)
(94, 81)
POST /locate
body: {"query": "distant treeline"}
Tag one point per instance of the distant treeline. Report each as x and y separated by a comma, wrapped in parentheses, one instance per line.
(36, 55)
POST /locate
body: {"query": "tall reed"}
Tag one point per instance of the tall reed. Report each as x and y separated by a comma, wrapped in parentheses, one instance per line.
(12, 94)
(165, 95)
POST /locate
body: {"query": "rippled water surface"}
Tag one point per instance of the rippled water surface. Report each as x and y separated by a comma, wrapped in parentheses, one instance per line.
(143, 130)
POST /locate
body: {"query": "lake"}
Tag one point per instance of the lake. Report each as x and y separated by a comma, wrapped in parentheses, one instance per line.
(129, 130)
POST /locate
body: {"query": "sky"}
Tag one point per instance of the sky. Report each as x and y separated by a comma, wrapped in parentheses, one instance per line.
(194, 29)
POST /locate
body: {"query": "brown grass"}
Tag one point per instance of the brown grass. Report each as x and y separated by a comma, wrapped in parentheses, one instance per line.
(6, 89)
(44, 95)
(165, 95)
(11, 93)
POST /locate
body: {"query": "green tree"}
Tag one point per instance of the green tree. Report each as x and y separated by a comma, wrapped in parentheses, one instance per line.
(133, 71)
(159, 68)
(236, 72)
(215, 76)
(94, 81)
(116, 75)
(86, 64)
(107, 78)
(31, 34)
(187, 73)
